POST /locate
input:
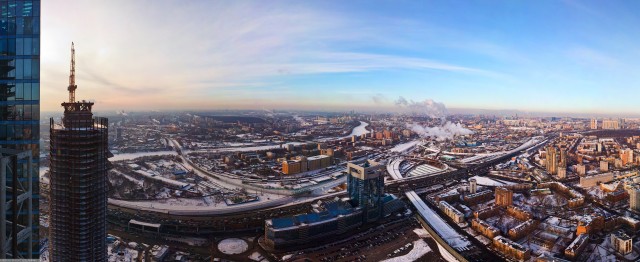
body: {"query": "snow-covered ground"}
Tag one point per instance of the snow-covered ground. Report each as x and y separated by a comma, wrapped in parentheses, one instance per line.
(132, 179)
(421, 232)
(242, 149)
(255, 256)
(485, 181)
(183, 206)
(127, 156)
(160, 178)
(420, 248)
(232, 246)
(405, 146)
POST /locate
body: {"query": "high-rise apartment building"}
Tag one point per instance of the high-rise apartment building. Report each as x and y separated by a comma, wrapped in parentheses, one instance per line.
(19, 127)
(552, 160)
(610, 124)
(79, 166)
(594, 123)
(626, 155)
(504, 197)
(634, 198)
(365, 185)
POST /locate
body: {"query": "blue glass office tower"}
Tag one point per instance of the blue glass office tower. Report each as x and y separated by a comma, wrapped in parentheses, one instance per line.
(365, 185)
(19, 127)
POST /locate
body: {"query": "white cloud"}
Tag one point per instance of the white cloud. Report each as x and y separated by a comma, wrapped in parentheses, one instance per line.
(152, 51)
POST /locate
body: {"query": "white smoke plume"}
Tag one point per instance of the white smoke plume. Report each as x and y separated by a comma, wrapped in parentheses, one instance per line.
(300, 120)
(440, 133)
(433, 109)
(427, 107)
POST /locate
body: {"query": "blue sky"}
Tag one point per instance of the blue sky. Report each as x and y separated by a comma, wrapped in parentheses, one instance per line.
(549, 56)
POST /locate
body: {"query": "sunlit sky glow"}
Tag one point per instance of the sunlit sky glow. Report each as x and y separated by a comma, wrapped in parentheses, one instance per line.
(549, 56)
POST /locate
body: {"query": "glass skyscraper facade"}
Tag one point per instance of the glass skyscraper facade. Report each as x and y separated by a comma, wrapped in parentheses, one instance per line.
(19, 116)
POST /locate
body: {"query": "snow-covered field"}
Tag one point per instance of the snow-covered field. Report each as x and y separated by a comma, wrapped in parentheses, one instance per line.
(420, 248)
(160, 178)
(127, 156)
(232, 246)
(255, 256)
(421, 232)
(485, 181)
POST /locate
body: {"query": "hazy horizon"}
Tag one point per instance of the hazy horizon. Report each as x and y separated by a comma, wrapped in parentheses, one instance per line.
(451, 111)
(551, 57)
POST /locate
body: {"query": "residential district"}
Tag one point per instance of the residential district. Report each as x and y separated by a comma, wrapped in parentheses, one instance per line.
(302, 186)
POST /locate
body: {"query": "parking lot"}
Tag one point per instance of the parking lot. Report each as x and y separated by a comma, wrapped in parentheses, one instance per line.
(382, 243)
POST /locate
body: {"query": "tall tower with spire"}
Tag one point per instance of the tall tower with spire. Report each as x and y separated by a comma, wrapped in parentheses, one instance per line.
(78, 164)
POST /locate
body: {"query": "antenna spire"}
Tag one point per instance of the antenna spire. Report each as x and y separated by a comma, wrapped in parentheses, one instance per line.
(72, 76)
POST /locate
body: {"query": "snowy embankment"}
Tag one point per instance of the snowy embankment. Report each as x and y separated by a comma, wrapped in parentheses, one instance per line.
(444, 230)
(162, 179)
(420, 248)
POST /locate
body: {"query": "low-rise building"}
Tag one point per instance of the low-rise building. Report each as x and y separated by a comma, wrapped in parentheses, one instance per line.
(449, 197)
(519, 213)
(589, 224)
(486, 212)
(159, 253)
(522, 229)
(604, 166)
(511, 249)
(451, 211)
(479, 197)
(577, 245)
(590, 181)
(484, 228)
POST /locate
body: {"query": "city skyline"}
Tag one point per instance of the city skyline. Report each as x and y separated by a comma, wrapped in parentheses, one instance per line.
(554, 56)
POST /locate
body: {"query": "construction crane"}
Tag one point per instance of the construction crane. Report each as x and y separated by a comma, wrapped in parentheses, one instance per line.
(72, 77)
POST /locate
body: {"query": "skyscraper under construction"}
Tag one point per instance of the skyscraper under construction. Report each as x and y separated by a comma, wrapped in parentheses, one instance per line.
(79, 165)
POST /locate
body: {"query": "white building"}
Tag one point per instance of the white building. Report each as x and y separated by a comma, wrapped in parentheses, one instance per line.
(634, 198)
(621, 242)
(604, 166)
(473, 186)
